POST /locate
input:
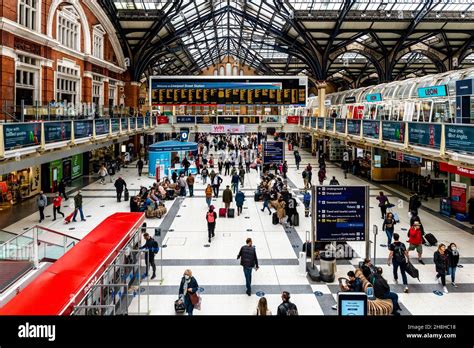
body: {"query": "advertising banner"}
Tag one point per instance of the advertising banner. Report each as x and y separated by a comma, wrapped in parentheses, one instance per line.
(459, 138)
(101, 127)
(423, 134)
(139, 122)
(147, 121)
(115, 125)
(21, 135)
(341, 213)
(371, 129)
(466, 172)
(458, 197)
(353, 127)
(76, 167)
(57, 131)
(224, 129)
(185, 119)
(124, 124)
(321, 123)
(393, 131)
(313, 122)
(340, 125)
(82, 129)
(273, 152)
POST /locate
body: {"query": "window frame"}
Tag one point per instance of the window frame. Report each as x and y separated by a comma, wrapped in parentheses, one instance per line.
(37, 16)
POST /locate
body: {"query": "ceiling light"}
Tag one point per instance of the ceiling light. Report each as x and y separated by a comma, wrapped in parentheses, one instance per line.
(463, 14)
(389, 14)
(438, 14)
(363, 14)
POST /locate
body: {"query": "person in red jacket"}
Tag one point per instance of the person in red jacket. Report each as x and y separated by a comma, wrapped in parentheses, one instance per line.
(57, 205)
(415, 238)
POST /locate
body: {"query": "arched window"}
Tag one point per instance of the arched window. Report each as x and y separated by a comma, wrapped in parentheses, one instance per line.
(228, 69)
(221, 71)
(68, 28)
(215, 72)
(235, 71)
(241, 72)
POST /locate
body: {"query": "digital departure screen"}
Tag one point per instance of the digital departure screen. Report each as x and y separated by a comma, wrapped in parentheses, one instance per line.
(204, 91)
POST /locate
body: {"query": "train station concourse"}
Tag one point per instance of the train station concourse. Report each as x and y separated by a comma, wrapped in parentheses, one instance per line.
(218, 159)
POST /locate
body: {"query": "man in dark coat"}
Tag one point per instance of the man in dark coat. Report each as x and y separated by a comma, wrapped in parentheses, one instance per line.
(120, 184)
(248, 260)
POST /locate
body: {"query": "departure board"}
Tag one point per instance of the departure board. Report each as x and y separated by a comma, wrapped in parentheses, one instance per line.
(236, 90)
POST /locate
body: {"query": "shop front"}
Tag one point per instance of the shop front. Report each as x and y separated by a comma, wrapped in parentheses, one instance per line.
(68, 168)
(19, 185)
(461, 190)
(389, 165)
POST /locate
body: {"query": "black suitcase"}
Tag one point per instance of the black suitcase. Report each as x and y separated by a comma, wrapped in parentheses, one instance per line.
(179, 307)
(275, 219)
(296, 219)
(412, 271)
(257, 197)
(126, 195)
(230, 213)
(431, 239)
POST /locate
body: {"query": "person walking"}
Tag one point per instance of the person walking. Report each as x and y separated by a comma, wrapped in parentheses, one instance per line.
(266, 201)
(62, 189)
(211, 217)
(227, 167)
(291, 209)
(227, 197)
(415, 239)
(389, 226)
(208, 193)
(280, 207)
(140, 166)
(41, 202)
(182, 185)
(306, 203)
(248, 260)
(398, 256)
(262, 308)
(152, 248)
(414, 204)
(190, 182)
(235, 182)
(102, 174)
(242, 175)
(334, 181)
(321, 176)
(305, 179)
(297, 159)
(286, 307)
(345, 163)
(239, 201)
(441, 261)
(309, 172)
(120, 184)
(187, 289)
(383, 202)
(78, 206)
(111, 172)
(216, 184)
(284, 169)
(204, 174)
(453, 260)
(57, 206)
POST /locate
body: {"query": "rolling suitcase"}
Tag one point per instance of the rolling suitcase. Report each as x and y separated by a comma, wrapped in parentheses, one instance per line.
(431, 240)
(296, 219)
(230, 213)
(126, 195)
(69, 217)
(275, 219)
(222, 212)
(412, 271)
(257, 197)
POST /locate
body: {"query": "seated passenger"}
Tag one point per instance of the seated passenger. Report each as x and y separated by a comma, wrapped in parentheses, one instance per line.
(135, 204)
(354, 284)
(368, 269)
(382, 290)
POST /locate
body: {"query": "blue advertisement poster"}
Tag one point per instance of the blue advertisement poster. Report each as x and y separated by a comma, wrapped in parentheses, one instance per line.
(371, 129)
(124, 124)
(147, 121)
(321, 123)
(424, 134)
(139, 122)
(341, 213)
(393, 131)
(185, 119)
(313, 122)
(340, 125)
(21, 135)
(459, 138)
(153, 120)
(57, 131)
(115, 125)
(101, 127)
(353, 127)
(82, 129)
(273, 152)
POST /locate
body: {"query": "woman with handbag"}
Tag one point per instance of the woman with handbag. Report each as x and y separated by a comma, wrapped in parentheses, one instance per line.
(188, 291)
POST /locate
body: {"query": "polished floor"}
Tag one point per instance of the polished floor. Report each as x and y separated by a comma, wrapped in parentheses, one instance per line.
(184, 241)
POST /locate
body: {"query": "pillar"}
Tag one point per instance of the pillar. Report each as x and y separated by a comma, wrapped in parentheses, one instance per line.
(131, 94)
(106, 93)
(322, 97)
(7, 85)
(48, 82)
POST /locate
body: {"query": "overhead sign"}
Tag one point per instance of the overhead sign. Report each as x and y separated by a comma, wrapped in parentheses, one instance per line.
(349, 100)
(321, 123)
(375, 97)
(124, 124)
(341, 213)
(353, 127)
(235, 90)
(465, 87)
(432, 91)
(101, 127)
(57, 131)
(462, 171)
(424, 134)
(393, 131)
(184, 135)
(82, 129)
(21, 135)
(340, 125)
(371, 129)
(115, 125)
(459, 138)
(139, 122)
(224, 129)
(273, 152)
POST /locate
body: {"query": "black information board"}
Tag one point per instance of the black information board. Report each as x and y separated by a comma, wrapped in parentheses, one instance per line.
(273, 152)
(341, 213)
(265, 90)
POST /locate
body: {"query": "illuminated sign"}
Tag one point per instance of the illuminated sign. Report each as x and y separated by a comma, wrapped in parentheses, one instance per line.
(433, 91)
(375, 97)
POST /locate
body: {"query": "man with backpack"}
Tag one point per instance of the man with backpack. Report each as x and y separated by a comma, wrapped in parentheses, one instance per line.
(152, 246)
(307, 203)
(382, 290)
(286, 307)
(399, 257)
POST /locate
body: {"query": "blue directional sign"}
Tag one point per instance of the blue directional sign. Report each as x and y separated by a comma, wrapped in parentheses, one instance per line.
(273, 152)
(341, 213)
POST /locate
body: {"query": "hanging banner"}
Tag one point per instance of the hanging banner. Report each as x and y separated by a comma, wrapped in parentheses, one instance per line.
(139, 122)
(371, 129)
(321, 123)
(115, 125)
(57, 131)
(459, 138)
(353, 127)
(124, 124)
(101, 127)
(458, 197)
(224, 129)
(393, 131)
(21, 135)
(424, 134)
(340, 125)
(82, 129)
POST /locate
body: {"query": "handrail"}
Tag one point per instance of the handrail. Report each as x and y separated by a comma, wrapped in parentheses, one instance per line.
(40, 228)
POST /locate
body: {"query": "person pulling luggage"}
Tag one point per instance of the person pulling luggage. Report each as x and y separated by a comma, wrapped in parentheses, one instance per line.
(120, 184)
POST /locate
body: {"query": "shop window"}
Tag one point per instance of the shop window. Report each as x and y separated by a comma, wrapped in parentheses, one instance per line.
(28, 13)
(68, 30)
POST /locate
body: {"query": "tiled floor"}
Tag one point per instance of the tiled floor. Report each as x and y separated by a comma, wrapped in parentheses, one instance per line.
(219, 274)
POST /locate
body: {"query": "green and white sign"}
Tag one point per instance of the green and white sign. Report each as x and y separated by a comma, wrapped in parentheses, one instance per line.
(76, 170)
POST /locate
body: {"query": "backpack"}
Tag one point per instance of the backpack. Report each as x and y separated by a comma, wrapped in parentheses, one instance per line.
(290, 309)
(210, 217)
(305, 174)
(399, 253)
(154, 246)
(307, 197)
